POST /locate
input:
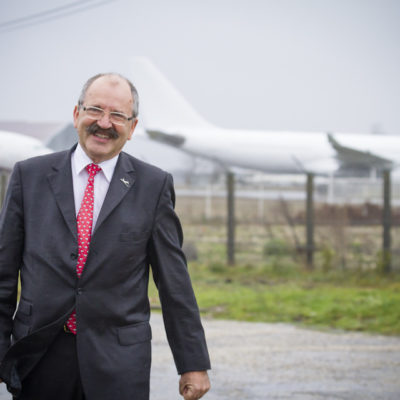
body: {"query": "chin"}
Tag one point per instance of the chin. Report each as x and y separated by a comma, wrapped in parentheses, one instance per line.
(95, 155)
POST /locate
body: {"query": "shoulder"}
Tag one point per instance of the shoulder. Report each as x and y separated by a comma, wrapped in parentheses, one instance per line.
(41, 166)
(45, 160)
(153, 180)
(145, 170)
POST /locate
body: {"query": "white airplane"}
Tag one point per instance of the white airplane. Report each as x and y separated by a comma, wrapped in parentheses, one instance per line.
(16, 147)
(170, 119)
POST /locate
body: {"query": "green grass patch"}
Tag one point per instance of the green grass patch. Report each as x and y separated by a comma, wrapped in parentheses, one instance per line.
(346, 290)
(283, 292)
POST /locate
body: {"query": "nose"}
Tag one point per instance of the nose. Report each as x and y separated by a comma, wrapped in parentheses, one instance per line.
(104, 122)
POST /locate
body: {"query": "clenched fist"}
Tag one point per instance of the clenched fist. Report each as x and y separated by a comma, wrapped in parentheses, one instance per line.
(193, 385)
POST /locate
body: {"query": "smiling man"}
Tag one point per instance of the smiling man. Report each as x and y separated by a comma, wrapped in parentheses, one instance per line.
(82, 228)
(106, 116)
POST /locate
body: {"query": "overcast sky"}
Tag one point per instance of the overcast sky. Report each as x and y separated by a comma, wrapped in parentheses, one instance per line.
(323, 65)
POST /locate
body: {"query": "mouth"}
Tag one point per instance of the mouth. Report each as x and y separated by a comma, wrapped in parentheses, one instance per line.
(103, 134)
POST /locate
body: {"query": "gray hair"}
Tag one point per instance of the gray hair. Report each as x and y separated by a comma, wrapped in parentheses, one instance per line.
(135, 95)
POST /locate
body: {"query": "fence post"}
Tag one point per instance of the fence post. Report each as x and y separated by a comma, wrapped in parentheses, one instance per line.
(230, 185)
(387, 222)
(310, 220)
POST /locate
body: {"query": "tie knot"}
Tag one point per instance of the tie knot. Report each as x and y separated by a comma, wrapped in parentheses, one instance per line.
(92, 169)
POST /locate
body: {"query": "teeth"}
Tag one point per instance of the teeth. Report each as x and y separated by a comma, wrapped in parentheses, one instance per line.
(101, 136)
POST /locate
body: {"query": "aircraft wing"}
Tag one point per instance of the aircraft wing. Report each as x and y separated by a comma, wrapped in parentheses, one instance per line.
(350, 157)
(167, 138)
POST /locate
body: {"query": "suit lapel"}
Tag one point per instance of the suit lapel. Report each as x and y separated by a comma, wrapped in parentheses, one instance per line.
(122, 181)
(61, 183)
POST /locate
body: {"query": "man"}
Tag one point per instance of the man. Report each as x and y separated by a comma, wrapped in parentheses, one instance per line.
(81, 228)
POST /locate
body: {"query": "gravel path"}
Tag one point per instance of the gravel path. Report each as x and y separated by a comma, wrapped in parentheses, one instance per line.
(260, 361)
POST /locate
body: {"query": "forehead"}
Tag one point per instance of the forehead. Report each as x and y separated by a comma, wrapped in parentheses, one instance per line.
(110, 91)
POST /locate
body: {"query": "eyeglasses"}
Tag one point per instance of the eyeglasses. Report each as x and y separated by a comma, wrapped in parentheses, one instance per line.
(97, 113)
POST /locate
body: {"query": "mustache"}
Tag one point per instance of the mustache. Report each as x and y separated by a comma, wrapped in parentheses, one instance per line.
(94, 128)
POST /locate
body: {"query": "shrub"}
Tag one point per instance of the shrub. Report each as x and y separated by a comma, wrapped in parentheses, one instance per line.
(277, 247)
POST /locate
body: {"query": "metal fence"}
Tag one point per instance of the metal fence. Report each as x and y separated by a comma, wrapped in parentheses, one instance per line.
(271, 217)
(348, 216)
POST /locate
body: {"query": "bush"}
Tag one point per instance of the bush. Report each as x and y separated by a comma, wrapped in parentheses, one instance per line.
(277, 247)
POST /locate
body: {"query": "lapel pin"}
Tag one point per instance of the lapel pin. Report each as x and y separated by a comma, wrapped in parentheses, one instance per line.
(126, 183)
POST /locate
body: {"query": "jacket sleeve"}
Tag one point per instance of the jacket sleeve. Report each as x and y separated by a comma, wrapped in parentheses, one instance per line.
(180, 311)
(11, 249)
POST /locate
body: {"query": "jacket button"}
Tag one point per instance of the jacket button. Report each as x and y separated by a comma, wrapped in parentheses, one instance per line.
(79, 291)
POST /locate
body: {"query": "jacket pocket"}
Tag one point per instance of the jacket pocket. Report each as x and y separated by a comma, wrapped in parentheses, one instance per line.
(25, 307)
(24, 311)
(132, 334)
(19, 330)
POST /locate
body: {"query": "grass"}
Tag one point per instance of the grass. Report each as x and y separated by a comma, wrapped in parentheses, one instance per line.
(271, 284)
(348, 301)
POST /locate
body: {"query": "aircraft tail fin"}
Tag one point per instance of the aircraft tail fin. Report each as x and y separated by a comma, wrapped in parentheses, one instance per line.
(161, 106)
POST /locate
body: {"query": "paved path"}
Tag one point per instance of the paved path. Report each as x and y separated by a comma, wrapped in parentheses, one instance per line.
(261, 361)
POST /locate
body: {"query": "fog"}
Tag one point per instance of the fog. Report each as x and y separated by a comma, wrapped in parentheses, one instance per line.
(328, 65)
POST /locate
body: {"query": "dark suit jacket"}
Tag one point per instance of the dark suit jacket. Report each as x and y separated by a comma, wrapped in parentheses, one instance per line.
(137, 227)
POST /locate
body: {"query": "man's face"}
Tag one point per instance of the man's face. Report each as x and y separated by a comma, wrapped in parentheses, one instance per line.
(102, 140)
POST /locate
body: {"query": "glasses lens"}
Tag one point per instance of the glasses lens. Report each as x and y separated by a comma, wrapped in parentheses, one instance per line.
(98, 113)
(118, 119)
(94, 112)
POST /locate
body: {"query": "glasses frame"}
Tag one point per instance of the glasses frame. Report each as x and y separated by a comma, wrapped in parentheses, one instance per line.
(110, 114)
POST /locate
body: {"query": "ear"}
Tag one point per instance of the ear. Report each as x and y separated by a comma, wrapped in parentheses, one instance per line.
(76, 115)
(134, 123)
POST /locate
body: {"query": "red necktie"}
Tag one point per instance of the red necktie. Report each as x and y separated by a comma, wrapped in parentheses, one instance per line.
(84, 223)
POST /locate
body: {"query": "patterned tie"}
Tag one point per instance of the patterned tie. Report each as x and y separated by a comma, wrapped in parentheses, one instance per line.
(84, 223)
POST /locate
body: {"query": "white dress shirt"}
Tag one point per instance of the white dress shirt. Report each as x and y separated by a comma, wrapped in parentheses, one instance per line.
(79, 161)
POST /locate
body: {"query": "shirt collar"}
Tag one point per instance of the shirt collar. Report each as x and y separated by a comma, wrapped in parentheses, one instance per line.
(81, 160)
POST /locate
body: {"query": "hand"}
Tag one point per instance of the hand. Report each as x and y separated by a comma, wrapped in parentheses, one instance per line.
(193, 385)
